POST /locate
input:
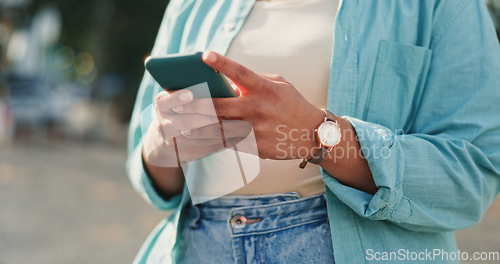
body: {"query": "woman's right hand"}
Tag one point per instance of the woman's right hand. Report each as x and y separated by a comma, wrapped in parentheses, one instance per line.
(194, 135)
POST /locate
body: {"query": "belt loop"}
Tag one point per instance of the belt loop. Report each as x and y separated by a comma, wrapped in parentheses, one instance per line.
(195, 214)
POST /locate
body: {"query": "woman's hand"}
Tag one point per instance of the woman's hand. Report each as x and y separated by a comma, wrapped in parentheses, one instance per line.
(282, 119)
(174, 137)
(283, 122)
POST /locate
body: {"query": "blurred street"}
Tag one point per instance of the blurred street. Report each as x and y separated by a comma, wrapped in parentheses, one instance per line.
(69, 204)
(73, 203)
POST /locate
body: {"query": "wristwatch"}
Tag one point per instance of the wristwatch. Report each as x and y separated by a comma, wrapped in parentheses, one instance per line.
(328, 135)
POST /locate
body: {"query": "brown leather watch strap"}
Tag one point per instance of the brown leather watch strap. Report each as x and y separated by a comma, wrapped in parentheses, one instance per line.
(315, 159)
(322, 151)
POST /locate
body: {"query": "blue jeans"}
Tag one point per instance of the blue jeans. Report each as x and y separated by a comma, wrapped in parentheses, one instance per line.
(276, 228)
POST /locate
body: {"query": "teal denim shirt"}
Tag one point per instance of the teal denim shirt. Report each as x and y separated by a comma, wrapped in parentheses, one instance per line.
(420, 82)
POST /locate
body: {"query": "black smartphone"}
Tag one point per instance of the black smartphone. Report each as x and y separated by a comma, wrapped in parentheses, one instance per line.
(180, 71)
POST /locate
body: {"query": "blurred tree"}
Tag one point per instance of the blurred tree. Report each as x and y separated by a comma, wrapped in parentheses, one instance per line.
(117, 33)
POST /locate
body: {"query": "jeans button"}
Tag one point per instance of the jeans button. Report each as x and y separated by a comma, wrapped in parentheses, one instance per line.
(238, 221)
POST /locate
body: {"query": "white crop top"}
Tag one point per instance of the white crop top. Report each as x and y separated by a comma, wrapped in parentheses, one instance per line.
(292, 38)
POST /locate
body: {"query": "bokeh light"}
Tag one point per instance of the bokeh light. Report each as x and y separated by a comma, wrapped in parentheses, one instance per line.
(64, 57)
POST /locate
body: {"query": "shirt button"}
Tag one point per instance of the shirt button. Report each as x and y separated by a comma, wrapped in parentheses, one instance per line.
(345, 37)
(229, 26)
(238, 221)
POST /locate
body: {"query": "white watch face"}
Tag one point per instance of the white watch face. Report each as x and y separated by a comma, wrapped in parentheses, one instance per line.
(329, 134)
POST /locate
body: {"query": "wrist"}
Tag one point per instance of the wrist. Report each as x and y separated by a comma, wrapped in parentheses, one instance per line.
(312, 144)
(327, 136)
(344, 126)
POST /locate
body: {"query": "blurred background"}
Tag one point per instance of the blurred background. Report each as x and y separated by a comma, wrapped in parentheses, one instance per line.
(69, 73)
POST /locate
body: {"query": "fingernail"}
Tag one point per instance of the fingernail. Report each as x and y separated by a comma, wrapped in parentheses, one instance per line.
(178, 109)
(186, 132)
(186, 96)
(210, 57)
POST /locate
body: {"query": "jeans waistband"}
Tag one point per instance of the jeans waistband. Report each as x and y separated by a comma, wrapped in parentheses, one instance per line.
(250, 200)
(255, 214)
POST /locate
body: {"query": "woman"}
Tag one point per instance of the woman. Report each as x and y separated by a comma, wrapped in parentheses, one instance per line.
(413, 87)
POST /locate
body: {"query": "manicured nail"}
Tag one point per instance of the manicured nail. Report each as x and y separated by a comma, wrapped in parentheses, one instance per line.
(186, 132)
(178, 109)
(186, 96)
(209, 56)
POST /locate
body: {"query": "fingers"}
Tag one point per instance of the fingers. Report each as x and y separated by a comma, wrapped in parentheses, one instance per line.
(184, 143)
(244, 78)
(199, 106)
(228, 107)
(204, 141)
(231, 129)
(273, 77)
(174, 125)
(208, 132)
(166, 101)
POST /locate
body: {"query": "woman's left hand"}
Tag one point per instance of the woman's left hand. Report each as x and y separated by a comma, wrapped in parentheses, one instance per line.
(282, 119)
